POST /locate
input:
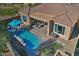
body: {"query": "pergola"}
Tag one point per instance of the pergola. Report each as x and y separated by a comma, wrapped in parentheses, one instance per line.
(42, 17)
(45, 18)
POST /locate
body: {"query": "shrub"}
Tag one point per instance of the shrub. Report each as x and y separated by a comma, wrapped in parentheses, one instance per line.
(49, 51)
(3, 36)
(8, 11)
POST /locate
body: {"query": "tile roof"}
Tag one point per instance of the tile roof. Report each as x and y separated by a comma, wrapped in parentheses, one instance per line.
(70, 45)
(41, 16)
(61, 13)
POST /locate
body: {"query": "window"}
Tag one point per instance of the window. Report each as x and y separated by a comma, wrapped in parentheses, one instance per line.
(24, 18)
(59, 29)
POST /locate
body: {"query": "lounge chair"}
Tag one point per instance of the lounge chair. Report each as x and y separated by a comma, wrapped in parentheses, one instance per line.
(41, 25)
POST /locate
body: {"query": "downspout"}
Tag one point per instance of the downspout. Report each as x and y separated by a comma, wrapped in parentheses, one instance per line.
(48, 24)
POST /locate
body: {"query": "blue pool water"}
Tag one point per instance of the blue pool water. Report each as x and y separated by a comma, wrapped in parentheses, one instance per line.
(15, 23)
(32, 38)
(32, 41)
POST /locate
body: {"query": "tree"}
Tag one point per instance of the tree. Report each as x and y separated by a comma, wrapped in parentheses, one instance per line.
(29, 5)
(3, 37)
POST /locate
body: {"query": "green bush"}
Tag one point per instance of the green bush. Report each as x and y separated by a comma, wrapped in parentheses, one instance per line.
(3, 36)
(8, 11)
(49, 51)
(55, 46)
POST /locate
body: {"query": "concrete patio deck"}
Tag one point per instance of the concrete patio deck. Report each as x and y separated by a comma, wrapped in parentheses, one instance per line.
(41, 32)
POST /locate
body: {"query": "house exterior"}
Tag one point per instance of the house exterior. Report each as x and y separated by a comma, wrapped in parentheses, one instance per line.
(60, 19)
(60, 53)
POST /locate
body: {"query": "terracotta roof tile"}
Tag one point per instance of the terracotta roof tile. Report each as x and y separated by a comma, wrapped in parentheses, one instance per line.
(46, 12)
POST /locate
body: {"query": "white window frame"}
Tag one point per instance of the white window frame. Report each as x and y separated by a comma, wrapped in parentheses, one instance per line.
(60, 25)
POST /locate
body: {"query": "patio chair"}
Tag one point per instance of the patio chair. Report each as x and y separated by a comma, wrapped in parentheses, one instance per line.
(41, 25)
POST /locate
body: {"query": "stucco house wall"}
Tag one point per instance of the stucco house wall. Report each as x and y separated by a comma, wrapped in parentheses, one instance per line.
(66, 33)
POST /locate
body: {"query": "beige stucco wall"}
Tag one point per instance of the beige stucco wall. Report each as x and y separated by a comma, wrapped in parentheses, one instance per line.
(67, 32)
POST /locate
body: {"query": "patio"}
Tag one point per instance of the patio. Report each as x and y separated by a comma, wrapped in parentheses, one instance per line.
(41, 32)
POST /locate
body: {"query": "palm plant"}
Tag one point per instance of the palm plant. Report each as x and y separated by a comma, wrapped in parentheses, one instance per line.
(46, 52)
(29, 5)
(55, 46)
(49, 51)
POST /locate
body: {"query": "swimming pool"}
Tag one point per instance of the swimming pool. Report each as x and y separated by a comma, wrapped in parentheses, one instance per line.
(32, 41)
(13, 25)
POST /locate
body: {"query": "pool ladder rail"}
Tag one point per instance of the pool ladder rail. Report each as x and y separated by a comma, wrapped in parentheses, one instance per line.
(20, 40)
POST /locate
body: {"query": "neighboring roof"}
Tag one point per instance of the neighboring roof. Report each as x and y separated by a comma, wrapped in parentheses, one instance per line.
(69, 46)
(61, 13)
(60, 53)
